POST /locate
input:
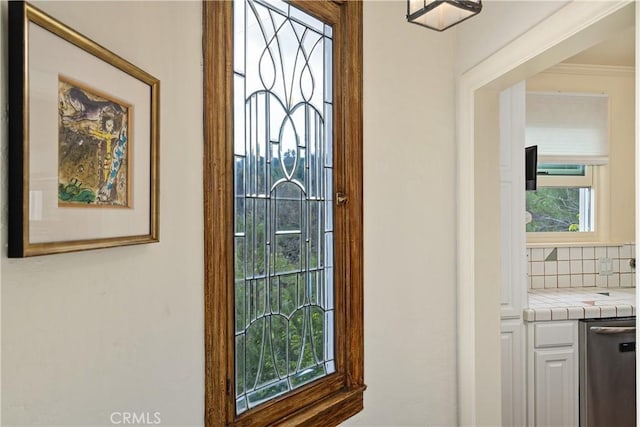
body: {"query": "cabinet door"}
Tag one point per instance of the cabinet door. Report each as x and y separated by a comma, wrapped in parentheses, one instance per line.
(513, 390)
(556, 388)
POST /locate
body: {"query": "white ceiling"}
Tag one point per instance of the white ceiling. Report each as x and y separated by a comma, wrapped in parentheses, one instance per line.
(617, 50)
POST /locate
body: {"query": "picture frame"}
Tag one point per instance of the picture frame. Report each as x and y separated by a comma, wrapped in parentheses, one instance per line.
(83, 141)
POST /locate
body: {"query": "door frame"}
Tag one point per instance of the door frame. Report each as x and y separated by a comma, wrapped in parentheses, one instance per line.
(570, 30)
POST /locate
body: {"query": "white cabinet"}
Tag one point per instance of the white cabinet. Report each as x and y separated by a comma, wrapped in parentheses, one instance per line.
(555, 392)
(513, 373)
(552, 373)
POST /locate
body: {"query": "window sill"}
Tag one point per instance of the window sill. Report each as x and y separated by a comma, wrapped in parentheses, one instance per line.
(330, 411)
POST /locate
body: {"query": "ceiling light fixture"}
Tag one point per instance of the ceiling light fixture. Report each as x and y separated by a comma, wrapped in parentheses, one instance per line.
(441, 14)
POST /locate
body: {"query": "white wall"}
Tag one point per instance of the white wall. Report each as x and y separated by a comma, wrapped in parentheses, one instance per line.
(410, 271)
(121, 329)
(409, 220)
(478, 38)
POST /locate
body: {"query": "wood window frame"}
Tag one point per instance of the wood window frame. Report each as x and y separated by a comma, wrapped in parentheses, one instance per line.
(338, 396)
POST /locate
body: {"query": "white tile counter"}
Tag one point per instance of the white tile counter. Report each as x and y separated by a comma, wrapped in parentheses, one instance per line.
(580, 303)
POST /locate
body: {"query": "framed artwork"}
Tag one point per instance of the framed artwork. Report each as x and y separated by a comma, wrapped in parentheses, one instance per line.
(83, 141)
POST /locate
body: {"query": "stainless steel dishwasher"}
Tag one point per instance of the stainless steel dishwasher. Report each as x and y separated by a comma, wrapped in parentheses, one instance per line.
(607, 372)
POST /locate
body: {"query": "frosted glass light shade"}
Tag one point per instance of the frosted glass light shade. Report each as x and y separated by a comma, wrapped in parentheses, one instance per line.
(441, 14)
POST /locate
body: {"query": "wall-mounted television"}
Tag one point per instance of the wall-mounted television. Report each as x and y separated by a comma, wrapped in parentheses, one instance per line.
(531, 167)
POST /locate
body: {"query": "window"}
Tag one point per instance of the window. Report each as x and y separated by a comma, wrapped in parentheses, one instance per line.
(283, 213)
(569, 205)
(283, 169)
(564, 200)
(571, 132)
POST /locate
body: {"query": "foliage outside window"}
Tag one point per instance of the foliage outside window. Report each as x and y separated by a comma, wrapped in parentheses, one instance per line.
(565, 201)
(557, 209)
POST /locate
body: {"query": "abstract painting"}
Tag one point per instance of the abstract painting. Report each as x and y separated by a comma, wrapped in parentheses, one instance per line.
(83, 132)
(93, 147)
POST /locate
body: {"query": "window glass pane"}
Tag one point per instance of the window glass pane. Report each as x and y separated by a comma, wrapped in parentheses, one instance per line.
(555, 169)
(238, 34)
(560, 209)
(283, 172)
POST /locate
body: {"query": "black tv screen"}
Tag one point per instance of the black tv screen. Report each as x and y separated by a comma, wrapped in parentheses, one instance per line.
(531, 167)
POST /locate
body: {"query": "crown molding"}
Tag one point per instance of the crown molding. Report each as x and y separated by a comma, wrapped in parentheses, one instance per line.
(592, 70)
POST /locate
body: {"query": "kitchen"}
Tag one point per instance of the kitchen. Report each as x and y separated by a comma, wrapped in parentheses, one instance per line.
(559, 284)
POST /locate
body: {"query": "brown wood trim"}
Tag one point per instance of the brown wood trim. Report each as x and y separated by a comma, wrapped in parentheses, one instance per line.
(218, 210)
(328, 412)
(340, 257)
(281, 407)
(326, 11)
(335, 398)
(353, 91)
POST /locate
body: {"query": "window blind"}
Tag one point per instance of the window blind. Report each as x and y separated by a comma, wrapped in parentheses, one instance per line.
(568, 128)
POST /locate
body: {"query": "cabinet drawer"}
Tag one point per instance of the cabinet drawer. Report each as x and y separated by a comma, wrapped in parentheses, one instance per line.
(555, 334)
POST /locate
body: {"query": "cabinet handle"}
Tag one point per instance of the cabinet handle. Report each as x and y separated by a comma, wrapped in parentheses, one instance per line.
(612, 329)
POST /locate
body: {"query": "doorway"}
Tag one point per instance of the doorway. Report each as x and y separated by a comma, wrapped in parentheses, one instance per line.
(569, 31)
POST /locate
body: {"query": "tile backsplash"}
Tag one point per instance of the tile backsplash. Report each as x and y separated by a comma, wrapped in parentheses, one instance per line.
(583, 266)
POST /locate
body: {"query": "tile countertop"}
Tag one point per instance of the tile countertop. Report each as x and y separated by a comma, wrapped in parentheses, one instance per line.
(579, 303)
